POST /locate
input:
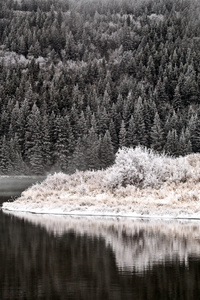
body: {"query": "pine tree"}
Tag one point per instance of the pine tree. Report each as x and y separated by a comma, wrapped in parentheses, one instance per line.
(106, 151)
(46, 143)
(132, 140)
(78, 161)
(92, 150)
(184, 145)
(5, 163)
(171, 145)
(122, 135)
(33, 142)
(192, 125)
(177, 103)
(64, 143)
(157, 134)
(140, 130)
(103, 120)
(127, 108)
(196, 136)
(82, 125)
(18, 166)
(113, 135)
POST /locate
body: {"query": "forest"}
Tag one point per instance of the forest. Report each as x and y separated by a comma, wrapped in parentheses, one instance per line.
(81, 79)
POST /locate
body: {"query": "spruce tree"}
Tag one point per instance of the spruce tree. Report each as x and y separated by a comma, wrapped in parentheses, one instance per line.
(157, 134)
(122, 135)
(171, 145)
(140, 129)
(184, 145)
(113, 135)
(196, 136)
(5, 163)
(92, 150)
(78, 160)
(33, 142)
(106, 151)
(177, 102)
(131, 133)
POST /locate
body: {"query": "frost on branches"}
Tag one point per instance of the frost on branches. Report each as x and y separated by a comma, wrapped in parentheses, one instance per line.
(140, 183)
(143, 167)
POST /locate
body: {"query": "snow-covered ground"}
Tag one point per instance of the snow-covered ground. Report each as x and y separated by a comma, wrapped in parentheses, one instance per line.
(138, 245)
(140, 183)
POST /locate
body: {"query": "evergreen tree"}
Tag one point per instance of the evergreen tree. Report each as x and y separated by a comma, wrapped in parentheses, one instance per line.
(196, 137)
(157, 134)
(184, 145)
(106, 151)
(122, 135)
(140, 130)
(46, 143)
(131, 133)
(177, 103)
(5, 163)
(78, 158)
(171, 145)
(64, 143)
(33, 142)
(113, 135)
(92, 150)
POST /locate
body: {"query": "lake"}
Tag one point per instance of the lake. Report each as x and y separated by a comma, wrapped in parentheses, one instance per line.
(63, 257)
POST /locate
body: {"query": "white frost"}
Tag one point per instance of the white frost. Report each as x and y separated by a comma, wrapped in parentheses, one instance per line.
(140, 183)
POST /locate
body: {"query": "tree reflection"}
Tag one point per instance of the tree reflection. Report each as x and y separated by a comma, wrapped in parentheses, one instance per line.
(88, 258)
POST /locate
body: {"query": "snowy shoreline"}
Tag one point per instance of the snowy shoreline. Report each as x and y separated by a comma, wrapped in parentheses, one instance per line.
(144, 210)
(141, 184)
(107, 215)
(146, 203)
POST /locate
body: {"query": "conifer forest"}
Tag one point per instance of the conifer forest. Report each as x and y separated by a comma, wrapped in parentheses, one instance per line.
(81, 79)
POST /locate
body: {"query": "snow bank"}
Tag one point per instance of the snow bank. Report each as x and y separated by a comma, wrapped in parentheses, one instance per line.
(138, 245)
(140, 183)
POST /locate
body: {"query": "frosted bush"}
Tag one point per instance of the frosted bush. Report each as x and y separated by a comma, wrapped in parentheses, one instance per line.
(133, 169)
(143, 167)
(58, 180)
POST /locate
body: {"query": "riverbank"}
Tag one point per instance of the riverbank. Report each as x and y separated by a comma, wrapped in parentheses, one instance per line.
(140, 184)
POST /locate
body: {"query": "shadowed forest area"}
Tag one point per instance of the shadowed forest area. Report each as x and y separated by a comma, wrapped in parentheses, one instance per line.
(81, 79)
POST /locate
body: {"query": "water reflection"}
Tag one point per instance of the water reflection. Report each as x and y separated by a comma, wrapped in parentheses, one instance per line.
(57, 257)
(137, 245)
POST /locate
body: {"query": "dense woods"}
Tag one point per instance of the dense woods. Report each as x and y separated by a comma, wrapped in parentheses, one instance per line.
(81, 79)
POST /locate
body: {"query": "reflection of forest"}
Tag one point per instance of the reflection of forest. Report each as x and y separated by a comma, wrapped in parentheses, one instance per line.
(72, 262)
(136, 244)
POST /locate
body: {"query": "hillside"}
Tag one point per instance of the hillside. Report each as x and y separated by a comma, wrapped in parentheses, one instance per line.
(81, 79)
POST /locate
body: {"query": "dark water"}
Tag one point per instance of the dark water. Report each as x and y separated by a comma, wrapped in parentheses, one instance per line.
(12, 186)
(57, 257)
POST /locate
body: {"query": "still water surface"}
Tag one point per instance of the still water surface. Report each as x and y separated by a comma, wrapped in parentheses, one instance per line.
(63, 257)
